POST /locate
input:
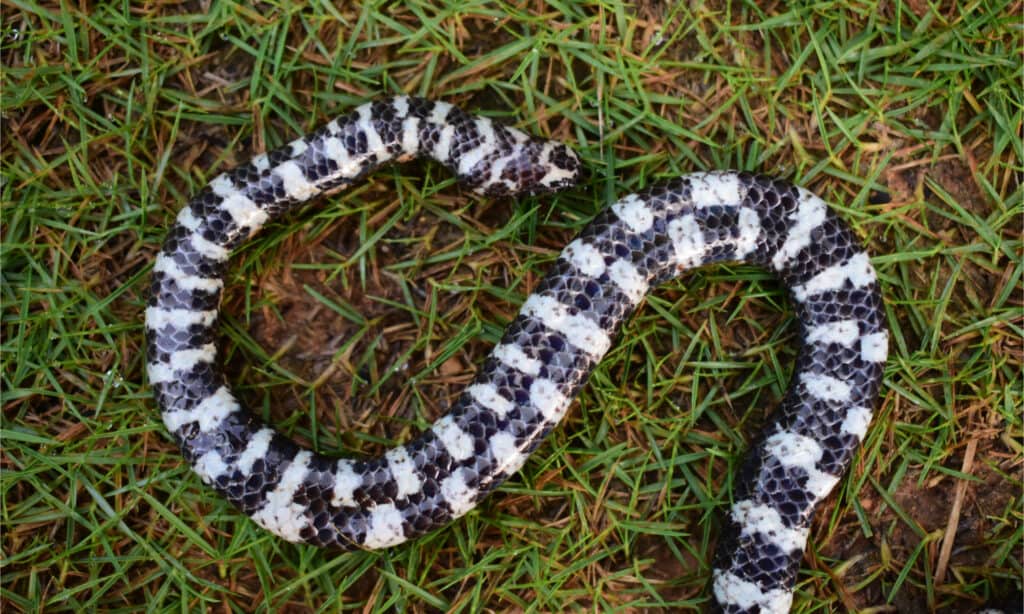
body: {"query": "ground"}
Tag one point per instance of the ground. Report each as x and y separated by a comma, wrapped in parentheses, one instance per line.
(353, 325)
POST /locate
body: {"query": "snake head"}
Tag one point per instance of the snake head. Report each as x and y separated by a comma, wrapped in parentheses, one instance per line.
(534, 166)
(562, 168)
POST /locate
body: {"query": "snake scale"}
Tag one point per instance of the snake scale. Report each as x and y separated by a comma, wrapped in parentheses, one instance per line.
(527, 383)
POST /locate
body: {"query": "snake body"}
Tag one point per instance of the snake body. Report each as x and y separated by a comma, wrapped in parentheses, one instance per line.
(564, 328)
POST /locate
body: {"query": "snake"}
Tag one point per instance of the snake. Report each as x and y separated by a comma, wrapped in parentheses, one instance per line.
(526, 385)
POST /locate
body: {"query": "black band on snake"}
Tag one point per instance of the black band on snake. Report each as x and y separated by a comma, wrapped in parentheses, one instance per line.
(526, 385)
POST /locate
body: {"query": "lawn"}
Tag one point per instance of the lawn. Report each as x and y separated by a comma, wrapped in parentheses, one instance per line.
(354, 325)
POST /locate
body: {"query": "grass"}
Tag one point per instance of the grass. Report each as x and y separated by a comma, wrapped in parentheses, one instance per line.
(353, 325)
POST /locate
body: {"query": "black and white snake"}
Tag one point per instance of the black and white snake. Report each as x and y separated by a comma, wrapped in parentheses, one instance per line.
(526, 385)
